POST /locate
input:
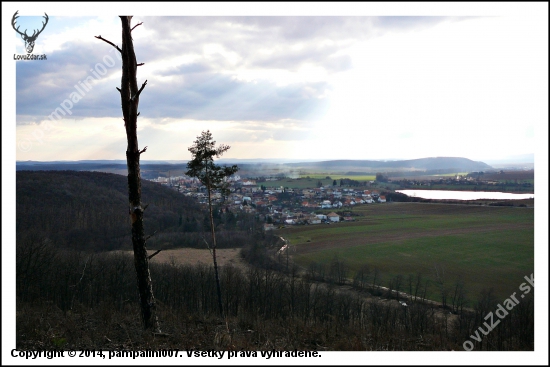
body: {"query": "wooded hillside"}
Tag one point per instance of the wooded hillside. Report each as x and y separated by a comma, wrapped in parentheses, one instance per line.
(89, 210)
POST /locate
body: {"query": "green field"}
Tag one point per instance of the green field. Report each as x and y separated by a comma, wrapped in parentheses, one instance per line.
(489, 247)
(312, 181)
(338, 177)
(450, 174)
(502, 188)
(301, 183)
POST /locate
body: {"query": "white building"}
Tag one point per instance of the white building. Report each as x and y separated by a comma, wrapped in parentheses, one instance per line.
(333, 217)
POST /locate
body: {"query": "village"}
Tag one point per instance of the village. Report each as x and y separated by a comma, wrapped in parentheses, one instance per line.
(279, 206)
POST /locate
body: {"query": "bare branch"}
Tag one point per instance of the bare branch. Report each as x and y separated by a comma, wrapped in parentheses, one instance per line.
(142, 86)
(139, 91)
(140, 23)
(207, 245)
(79, 281)
(117, 88)
(109, 42)
(143, 150)
(161, 334)
(142, 63)
(151, 235)
(151, 256)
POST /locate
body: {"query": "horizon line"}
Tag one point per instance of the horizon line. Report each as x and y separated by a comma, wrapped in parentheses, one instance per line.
(511, 159)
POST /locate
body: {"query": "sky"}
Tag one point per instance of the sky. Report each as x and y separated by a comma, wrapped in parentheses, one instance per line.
(456, 81)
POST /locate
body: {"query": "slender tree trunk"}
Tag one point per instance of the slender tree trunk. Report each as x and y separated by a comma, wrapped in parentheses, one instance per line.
(218, 289)
(129, 94)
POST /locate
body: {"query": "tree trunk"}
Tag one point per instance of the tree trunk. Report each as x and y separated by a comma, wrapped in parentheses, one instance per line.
(218, 289)
(129, 94)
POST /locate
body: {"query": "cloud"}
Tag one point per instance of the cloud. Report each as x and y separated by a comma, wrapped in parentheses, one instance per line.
(205, 68)
(220, 97)
(43, 85)
(282, 130)
(274, 42)
(403, 23)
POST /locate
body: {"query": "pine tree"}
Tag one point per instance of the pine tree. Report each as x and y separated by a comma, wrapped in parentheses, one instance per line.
(214, 177)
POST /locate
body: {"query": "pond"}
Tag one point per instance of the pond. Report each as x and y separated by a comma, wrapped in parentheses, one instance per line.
(464, 195)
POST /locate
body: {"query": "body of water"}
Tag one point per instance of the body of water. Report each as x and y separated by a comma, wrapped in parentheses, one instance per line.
(464, 195)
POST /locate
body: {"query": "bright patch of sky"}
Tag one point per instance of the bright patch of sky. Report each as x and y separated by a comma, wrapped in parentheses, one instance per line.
(469, 82)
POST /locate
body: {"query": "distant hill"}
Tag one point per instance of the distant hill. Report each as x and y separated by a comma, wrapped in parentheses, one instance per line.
(89, 210)
(450, 164)
(254, 168)
(149, 169)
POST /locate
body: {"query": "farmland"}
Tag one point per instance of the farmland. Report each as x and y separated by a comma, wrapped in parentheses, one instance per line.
(311, 181)
(364, 177)
(300, 183)
(488, 247)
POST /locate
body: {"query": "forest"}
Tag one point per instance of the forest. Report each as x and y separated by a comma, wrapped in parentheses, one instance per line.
(89, 300)
(88, 211)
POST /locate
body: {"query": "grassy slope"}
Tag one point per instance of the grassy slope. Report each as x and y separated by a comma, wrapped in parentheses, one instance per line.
(487, 246)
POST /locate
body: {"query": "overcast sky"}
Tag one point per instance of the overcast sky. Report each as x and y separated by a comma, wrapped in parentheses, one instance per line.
(471, 83)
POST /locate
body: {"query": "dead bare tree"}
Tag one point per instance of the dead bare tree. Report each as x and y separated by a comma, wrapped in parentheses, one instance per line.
(129, 95)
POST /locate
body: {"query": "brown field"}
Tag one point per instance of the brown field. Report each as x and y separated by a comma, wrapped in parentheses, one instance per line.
(192, 256)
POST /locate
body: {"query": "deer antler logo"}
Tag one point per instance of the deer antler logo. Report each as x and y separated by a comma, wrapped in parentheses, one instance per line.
(29, 40)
